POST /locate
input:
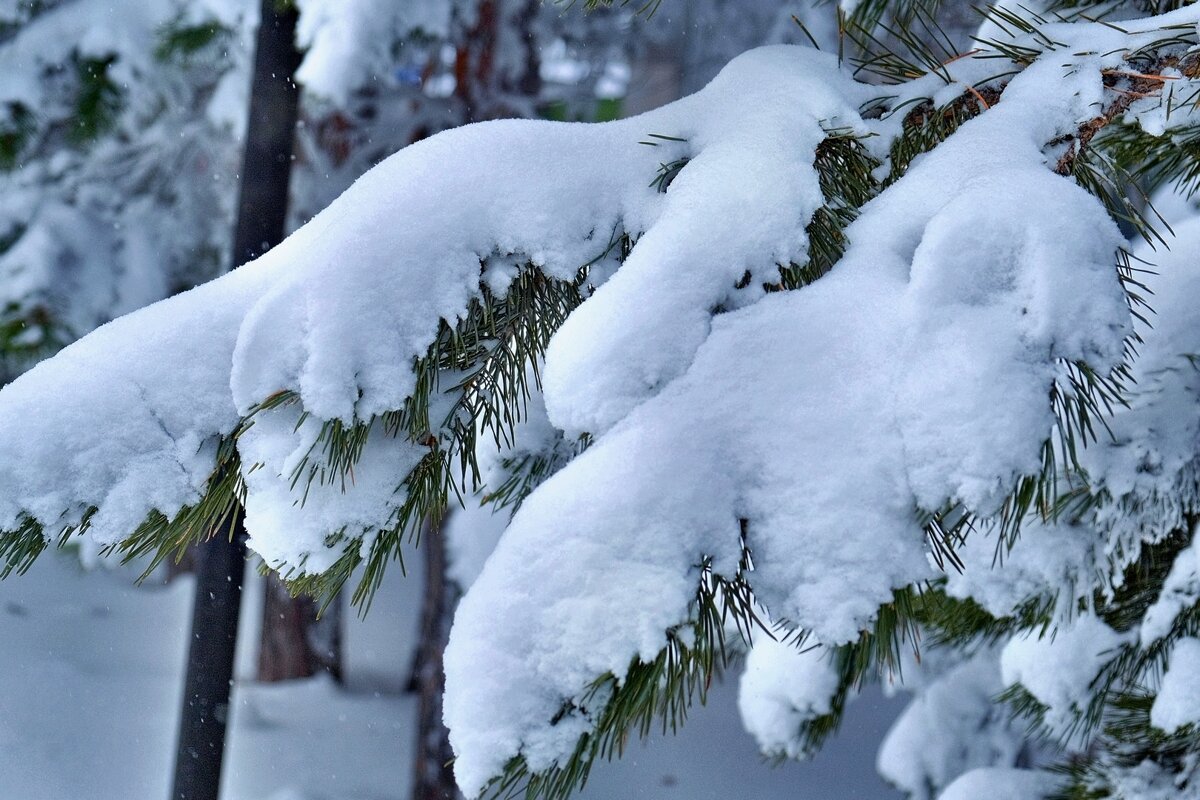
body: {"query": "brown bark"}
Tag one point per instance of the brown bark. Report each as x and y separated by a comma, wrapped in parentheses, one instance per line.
(296, 641)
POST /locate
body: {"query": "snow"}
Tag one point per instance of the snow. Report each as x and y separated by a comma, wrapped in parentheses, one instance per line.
(114, 221)
(291, 511)
(900, 343)
(1149, 780)
(1011, 784)
(1146, 461)
(94, 667)
(1178, 700)
(970, 278)
(348, 45)
(784, 685)
(1051, 560)
(713, 228)
(1180, 592)
(1058, 668)
(1149, 464)
(142, 446)
(471, 535)
(93, 29)
(951, 727)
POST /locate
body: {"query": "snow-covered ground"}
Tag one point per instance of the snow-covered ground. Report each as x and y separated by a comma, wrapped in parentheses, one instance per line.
(91, 670)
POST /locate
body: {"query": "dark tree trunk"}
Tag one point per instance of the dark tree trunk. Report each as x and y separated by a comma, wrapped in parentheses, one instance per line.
(267, 164)
(296, 641)
(210, 665)
(260, 224)
(187, 564)
(433, 779)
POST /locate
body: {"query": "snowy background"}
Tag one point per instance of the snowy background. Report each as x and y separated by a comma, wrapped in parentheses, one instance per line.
(92, 670)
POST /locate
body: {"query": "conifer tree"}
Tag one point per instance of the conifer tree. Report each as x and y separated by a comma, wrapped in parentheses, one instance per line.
(845, 357)
(118, 141)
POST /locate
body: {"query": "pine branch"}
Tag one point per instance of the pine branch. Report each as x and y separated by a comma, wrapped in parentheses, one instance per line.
(654, 695)
(482, 364)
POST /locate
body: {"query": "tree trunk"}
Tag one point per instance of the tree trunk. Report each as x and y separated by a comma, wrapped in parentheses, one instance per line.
(433, 779)
(260, 224)
(296, 641)
(210, 665)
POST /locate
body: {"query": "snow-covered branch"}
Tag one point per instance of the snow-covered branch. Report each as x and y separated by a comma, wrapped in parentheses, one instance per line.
(811, 428)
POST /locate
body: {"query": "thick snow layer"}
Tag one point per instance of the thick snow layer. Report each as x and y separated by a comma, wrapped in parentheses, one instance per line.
(1145, 458)
(1059, 667)
(951, 726)
(332, 314)
(819, 421)
(714, 228)
(783, 686)
(1178, 700)
(956, 279)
